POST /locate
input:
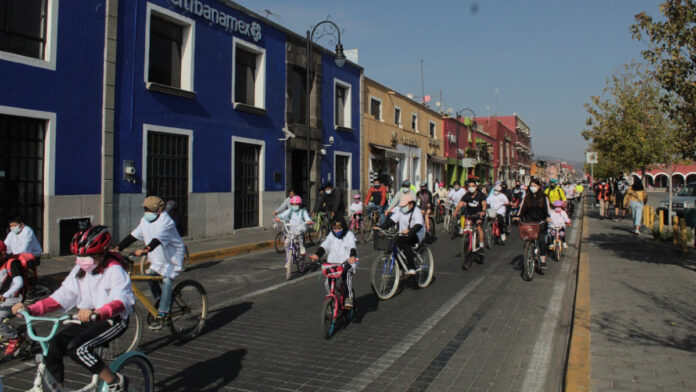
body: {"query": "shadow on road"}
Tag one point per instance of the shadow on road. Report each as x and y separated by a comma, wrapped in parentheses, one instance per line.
(364, 305)
(203, 265)
(210, 375)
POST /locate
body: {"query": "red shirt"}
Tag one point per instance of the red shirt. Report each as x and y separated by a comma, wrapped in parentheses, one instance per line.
(603, 192)
(380, 194)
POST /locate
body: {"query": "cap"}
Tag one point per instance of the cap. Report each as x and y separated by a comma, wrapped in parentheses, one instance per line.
(498, 188)
(153, 203)
(405, 199)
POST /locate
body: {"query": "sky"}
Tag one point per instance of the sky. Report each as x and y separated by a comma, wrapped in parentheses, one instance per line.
(545, 58)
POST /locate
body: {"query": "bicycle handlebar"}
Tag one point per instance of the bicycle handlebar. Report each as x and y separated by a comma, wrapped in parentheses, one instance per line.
(30, 330)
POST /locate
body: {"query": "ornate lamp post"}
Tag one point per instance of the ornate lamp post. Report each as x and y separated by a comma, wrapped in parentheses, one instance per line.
(472, 126)
(330, 28)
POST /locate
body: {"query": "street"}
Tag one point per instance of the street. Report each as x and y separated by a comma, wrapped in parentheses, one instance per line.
(482, 329)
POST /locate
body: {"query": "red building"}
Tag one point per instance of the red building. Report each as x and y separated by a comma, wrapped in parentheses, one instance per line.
(515, 146)
(455, 135)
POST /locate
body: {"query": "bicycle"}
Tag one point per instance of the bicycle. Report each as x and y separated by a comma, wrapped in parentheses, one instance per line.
(557, 245)
(488, 223)
(292, 252)
(321, 226)
(134, 366)
(470, 248)
(356, 226)
(498, 231)
(448, 219)
(186, 318)
(333, 311)
(529, 232)
(371, 220)
(389, 269)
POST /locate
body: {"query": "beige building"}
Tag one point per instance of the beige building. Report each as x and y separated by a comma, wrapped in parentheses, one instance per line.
(402, 138)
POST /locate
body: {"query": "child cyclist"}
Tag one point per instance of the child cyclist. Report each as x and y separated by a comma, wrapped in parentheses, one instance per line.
(164, 249)
(12, 290)
(559, 219)
(296, 215)
(98, 286)
(340, 248)
(356, 210)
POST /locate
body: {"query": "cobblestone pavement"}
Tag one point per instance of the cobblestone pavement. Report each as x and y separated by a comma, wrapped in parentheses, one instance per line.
(477, 330)
(643, 311)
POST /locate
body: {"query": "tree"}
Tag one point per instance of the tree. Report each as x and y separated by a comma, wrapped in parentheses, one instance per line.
(672, 51)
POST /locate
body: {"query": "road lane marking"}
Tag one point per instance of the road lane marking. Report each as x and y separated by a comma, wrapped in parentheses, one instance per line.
(375, 369)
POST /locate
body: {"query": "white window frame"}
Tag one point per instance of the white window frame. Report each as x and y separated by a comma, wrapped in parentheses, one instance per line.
(400, 124)
(434, 135)
(260, 86)
(178, 131)
(350, 169)
(381, 108)
(415, 129)
(49, 168)
(50, 48)
(188, 44)
(347, 110)
(262, 170)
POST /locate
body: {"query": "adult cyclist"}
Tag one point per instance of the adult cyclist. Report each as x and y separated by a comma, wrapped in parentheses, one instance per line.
(405, 190)
(424, 199)
(555, 192)
(475, 202)
(377, 199)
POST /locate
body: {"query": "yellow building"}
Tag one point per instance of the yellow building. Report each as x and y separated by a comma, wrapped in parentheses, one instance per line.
(401, 138)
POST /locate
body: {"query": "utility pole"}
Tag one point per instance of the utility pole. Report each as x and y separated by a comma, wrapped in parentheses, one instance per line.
(422, 84)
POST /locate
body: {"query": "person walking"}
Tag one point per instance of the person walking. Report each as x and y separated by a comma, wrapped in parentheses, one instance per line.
(603, 196)
(636, 197)
(620, 189)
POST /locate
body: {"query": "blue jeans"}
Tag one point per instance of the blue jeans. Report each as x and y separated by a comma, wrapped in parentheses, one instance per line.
(637, 211)
(374, 207)
(162, 292)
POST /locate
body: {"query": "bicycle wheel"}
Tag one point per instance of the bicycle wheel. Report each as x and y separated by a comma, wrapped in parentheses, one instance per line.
(447, 222)
(189, 310)
(385, 277)
(279, 243)
(328, 323)
(488, 233)
(288, 263)
(528, 261)
(138, 373)
(559, 249)
(300, 263)
(425, 275)
(312, 237)
(467, 255)
(127, 342)
(432, 226)
(502, 237)
(143, 264)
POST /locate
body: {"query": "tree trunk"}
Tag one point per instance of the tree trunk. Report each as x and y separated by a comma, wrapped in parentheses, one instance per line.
(669, 188)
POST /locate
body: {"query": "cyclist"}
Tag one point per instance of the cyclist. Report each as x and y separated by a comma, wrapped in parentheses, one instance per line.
(340, 248)
(405, 190)
(555, 192)
(535, 208)
(499, 202)
(411, 229)
(377, 199)
(12, 291)
(425, 203)
(164, 249)
(286, 203)
(296, 215)
(579, 189)
(21, 239)
(455, 194)
(98, 286)
(355, 210)
(559, 219)
(475, 203)
(330, 201)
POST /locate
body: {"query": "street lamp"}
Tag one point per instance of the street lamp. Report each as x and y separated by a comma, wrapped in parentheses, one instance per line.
(474, 126)
(340, 59)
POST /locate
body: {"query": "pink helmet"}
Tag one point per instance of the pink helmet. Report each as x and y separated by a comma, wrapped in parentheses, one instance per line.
(296, 200)
(356, 196)
(558, 203)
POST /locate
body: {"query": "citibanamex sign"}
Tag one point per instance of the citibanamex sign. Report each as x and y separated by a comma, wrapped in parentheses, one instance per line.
(215, 16)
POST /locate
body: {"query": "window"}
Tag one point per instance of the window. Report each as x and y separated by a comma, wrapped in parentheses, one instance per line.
(414, 122)
(432, 129)
(297, 87)
(342, 104)
(23, 27)
(397, 116)
(376, 108)
(169, 49)
(249, 74)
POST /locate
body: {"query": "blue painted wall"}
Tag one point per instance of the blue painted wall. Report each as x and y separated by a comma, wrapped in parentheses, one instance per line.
(210, 114)
(73, 91)
(343, 141)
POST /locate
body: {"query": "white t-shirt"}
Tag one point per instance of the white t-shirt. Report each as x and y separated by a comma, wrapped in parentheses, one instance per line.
(559, 219)
(95, 291)
(497, 202)
(168, 257)
(415, 217)
(455, 196)
(24, 242)
(298, 219)
(338, 250)
(356, 208)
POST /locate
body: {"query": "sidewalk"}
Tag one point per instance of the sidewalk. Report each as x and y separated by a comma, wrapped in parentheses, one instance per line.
(642, 311)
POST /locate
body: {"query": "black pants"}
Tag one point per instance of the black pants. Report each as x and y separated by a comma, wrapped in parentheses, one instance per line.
(543, 239)
(79, 341)
(405, 243)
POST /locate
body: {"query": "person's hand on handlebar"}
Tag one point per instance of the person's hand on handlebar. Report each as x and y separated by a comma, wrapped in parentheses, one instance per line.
(17, 308)
(351, 260)
(405, 232)
(85, 315)
(141, 252)
(314, 258)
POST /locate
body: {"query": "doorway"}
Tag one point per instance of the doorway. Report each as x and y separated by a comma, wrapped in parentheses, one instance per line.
(246, 185)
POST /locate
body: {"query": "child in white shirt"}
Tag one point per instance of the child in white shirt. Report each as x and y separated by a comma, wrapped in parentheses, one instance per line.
(559, 219)
(299, 218)
(340, 248)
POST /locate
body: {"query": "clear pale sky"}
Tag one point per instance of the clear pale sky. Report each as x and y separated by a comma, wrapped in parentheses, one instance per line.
(545, 57)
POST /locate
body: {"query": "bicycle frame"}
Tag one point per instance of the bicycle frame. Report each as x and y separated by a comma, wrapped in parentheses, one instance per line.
(471, 232)
(338, 297)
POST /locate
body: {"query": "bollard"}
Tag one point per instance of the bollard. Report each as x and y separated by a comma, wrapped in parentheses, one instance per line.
(652, 217)
(675, 230)
(661, 223)
(683, 237)
(646, 216)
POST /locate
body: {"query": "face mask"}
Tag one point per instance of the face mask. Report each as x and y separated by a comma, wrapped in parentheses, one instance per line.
(295, 208)
(404, 189)
(472, 189)
(496, 192)
(15, 229)
(150, 216)
(377, 186)
(533, 189)
(558, 209)
(405, 210)
(338, 233)
(328, 191)
(86, 263)
(456, 187)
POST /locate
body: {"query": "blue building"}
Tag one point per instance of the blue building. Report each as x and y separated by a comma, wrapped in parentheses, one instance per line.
(197, 101)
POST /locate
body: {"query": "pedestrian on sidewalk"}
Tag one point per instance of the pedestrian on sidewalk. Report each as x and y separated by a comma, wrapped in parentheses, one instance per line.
(636, 197)
(603, 196)
(620, 189)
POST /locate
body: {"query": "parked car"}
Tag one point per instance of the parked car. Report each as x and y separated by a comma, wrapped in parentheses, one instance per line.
(685, 198)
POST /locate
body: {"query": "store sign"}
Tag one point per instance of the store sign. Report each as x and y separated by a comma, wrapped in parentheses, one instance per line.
(215, 16)
(591, 157)
(468, 162)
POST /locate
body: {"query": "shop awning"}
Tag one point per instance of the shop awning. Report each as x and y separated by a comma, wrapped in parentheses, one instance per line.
(388, 152)
(454, 162)
(436, 159)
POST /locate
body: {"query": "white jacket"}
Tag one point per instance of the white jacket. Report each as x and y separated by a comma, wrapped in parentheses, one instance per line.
(166, 259)
(338, 249)
(407, 221)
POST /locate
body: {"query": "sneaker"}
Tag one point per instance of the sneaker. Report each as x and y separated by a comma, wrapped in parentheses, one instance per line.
(502, 237)
(158, 323)
(13, 345)
(410, 272)
(461, 231)
(542, 265)
(552, 247)
(349, 303)
(120, 385)
(565, 245)
(303, 251)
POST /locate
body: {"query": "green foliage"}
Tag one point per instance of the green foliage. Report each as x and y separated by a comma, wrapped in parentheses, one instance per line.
(672, 51)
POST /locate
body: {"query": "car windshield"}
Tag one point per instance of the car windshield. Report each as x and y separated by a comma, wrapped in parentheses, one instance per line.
(689, 190)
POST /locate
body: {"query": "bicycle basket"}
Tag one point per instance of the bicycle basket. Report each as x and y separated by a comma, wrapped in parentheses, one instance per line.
(529, 231)
(492, 213)
(333, 271)
(383, 242)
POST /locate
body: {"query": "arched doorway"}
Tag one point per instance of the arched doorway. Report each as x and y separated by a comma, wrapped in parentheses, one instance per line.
(661, 180)
(691, 178)
(649, 181)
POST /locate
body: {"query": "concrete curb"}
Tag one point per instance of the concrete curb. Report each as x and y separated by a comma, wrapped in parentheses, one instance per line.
(222, 253)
